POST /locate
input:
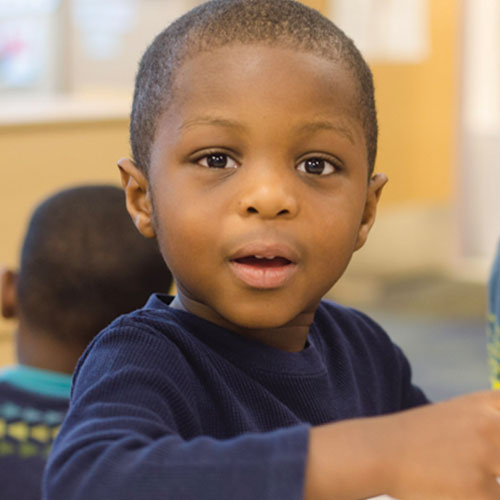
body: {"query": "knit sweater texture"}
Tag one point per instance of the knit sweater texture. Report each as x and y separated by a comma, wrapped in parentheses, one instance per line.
(166, 405)
(33, 403)
(494, 322)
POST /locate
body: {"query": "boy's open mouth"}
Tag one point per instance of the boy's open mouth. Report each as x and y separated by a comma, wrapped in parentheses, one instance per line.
(263, 272)
(263, 262)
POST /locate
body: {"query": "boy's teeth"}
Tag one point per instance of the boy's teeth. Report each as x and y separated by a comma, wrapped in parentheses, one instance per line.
(262, 257)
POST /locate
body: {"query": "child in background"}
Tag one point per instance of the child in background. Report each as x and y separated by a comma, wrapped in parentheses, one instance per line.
(254, 137)
(83, 263)
(494, 322)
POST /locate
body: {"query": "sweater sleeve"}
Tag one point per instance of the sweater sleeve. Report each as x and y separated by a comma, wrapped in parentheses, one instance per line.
(120, 438)
(494, 322)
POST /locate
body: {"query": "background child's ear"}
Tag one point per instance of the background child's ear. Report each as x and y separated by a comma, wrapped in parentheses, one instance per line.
(377, 183)
(8, 293)
(139, 205)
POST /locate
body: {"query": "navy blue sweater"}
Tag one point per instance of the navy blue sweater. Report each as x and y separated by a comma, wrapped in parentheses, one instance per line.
(166, 405)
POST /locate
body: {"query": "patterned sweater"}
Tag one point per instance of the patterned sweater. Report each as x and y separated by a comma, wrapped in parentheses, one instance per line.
(494, 322)
(33, 404)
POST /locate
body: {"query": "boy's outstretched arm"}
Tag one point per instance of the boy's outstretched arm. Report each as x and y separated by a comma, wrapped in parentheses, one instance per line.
(449, 450)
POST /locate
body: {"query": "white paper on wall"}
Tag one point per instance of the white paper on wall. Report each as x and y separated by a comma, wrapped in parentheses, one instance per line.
(385, 30)
(481, 67)
(103, 24)
(26, 39)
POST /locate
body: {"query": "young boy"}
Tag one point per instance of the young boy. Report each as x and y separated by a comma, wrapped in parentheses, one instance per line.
(83, 263)
(254, 137)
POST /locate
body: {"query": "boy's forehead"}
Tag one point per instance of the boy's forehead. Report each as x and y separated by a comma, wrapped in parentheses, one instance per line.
(219, 72)
(275, 59)
(221, 51)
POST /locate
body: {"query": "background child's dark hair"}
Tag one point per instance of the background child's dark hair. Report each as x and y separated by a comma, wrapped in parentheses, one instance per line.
(281, 23)
(83, 263)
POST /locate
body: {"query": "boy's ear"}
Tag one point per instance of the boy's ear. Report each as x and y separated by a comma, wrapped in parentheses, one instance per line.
(8, 293)
(139, 205)
(375, 186)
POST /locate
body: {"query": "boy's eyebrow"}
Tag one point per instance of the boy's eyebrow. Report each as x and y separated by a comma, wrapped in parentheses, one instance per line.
(210, 120)
(307, 127)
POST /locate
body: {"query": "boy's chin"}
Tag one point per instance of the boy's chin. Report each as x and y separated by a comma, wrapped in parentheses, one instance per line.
(254, 316)
(267, 318)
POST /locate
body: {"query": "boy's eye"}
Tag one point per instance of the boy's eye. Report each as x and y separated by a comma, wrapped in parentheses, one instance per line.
(217, 160)
(318, 166)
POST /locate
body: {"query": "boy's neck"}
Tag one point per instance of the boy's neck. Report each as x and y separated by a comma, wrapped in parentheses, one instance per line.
(42, 351)
(291, 337)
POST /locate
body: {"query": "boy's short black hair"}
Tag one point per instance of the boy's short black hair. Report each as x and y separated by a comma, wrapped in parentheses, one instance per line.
(283, 23)
(83, 263)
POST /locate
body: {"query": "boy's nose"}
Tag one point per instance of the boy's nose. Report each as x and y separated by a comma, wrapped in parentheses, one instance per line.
(268, 197)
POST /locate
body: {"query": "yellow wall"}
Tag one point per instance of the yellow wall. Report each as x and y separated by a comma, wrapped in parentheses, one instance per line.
(418, 114)
(37, 160)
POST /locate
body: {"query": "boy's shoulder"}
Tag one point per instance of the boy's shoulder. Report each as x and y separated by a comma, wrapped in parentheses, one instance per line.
(349, 325)
(343, 314)
(155, 320)
(363, 347)
(145, 338)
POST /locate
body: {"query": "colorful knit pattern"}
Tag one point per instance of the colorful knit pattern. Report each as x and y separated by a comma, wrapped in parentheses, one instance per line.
(494, 350)
(493, 322)
(27, 432)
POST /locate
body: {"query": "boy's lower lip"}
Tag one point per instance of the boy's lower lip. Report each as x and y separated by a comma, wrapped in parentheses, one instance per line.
(263, 277)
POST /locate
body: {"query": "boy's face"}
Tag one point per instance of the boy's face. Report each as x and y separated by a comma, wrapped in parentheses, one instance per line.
(259, 181)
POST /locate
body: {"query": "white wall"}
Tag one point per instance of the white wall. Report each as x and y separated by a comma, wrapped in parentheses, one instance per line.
(478, 199)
